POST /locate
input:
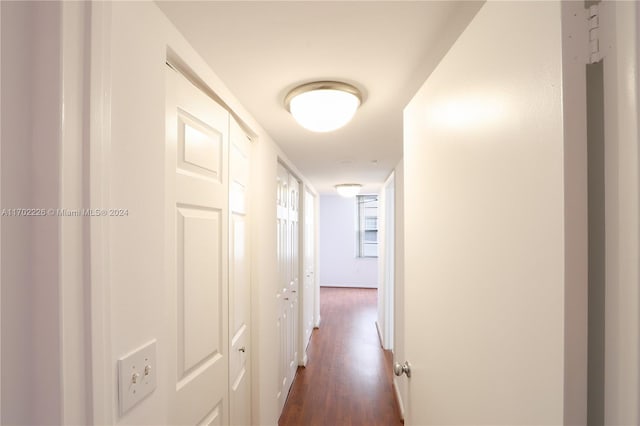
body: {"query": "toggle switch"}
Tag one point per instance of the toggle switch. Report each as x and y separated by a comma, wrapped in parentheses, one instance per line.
(136, 376)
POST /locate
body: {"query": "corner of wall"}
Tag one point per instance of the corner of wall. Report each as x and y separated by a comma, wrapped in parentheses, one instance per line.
(575, 213)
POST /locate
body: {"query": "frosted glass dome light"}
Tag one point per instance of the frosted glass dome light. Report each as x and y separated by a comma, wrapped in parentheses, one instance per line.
(348, 190)
(323, 106)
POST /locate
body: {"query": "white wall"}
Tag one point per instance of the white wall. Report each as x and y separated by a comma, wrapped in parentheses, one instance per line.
(140, 36)
(495, 267)
(32, 349)
(399, 355)
(386, 265)
(137, 277)
(73, 231)
(17, 344)
(309, 273)
(316, 303)
(46, 144)
(620, 24)
(339, 264)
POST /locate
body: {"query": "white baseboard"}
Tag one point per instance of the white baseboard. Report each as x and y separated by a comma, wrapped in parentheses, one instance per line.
(379, 335)
(351, 285)
(399, 399)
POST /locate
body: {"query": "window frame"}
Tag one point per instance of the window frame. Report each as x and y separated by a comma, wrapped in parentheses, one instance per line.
(363, 226)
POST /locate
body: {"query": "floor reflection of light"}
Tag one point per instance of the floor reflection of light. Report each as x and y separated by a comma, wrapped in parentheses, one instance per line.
(348, 378)
(366, 356)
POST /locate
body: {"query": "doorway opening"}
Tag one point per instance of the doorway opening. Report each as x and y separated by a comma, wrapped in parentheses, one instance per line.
(357, 248)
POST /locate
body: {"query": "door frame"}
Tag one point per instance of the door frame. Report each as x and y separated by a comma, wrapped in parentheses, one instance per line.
(306, 193)
(386, 262)
(621, 54)
(103, 382)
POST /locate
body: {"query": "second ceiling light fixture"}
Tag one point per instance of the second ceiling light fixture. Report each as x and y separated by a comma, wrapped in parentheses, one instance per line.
(323, 106)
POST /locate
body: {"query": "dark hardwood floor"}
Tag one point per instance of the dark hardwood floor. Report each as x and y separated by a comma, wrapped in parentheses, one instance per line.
(348, 378)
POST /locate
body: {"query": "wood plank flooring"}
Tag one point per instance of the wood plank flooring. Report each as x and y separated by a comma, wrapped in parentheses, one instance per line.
(348, 378)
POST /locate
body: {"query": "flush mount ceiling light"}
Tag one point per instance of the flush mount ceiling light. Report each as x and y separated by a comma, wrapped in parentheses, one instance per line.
(323, 106)
(348, 190)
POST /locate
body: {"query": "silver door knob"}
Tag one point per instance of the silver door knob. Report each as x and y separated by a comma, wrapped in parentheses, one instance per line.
(400, 369)
(241, 349)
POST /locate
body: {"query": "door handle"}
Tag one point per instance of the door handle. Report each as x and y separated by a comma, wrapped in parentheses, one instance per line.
(400, 369)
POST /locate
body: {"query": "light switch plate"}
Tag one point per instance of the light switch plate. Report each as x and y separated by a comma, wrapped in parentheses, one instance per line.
(136, 376)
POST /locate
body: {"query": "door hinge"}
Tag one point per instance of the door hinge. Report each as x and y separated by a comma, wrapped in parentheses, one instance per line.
(593, 19)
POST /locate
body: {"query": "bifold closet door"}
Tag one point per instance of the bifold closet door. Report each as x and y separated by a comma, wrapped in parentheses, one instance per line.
(294, 281)
(287, 200)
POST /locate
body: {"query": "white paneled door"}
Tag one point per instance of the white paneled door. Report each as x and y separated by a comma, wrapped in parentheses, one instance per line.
(197, 263)
(294, 266)
(282, 215)
(495, 252)
(239, 277)
(287, 201)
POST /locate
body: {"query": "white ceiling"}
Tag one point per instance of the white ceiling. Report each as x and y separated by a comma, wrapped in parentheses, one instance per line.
(263, 49)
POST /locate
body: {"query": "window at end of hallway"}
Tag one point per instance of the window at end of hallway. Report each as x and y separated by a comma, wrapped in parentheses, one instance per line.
(367, 232)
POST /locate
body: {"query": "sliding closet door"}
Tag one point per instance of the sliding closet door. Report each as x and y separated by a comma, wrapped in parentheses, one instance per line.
(239, 277)
(197, 256)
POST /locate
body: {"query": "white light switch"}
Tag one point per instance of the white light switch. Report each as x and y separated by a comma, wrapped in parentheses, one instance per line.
(136, 376)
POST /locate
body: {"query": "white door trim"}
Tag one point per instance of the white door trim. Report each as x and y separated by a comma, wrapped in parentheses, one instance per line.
(0, 222)
(308, 298)
(386, 259)
(102, 380)
(389, 258)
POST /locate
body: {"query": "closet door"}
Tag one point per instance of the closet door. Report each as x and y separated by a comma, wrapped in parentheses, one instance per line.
(288, 195)
(291, 297)
(284, 272)
(239, 277)
(308, 280)
(197, 255)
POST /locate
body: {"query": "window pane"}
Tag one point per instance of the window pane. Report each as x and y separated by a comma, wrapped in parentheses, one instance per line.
(367, 232)
(371, 236)
(370, 250)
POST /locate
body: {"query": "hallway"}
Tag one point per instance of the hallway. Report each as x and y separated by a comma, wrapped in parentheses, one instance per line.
(165, 208)
(348, 379)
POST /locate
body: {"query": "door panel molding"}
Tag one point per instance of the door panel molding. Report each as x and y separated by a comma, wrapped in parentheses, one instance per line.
(241, 352)
(288, 255)
(197, 242)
